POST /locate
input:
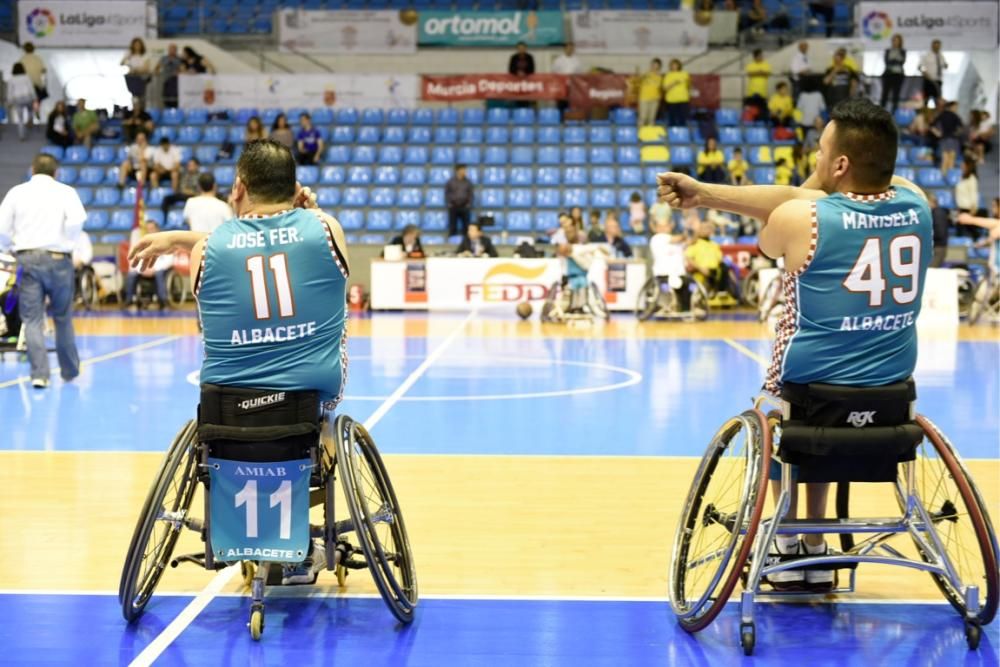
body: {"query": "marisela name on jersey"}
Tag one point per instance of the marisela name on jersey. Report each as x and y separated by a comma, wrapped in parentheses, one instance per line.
(878, 322)
(273, 334)
(856, 220)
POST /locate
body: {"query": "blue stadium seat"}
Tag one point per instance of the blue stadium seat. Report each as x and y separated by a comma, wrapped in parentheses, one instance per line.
(605, 155)
(172, 117)
(97, 220)
(91, 176)
(495, 155)
(625, 199)
(111, 176)
(549, 135)
(901, 156)
(953, 177)
(382, 197)
(730, 135)
(328, 196)
(492, 198)
(419, 135)
(472, 173)
(78, 154)
(547, 198)
(600, 134)
(54, 151)
(154, 215)
(414, 176)
(495, 176)
(623, 116)
(355, 197)
(224, 176)
(681, 155)
(175, 219)
(519, 221)
(307, 174)
(545, 220)
(602, 198)
(107, 196)
(363, 155)
(649, 174)
(156, 195)
(904, 116)
(67, 175)
(548, 176)
(945, 198)
(387, 175)
(195, 116)
(497, 135)
(727, 117)
(442, 155)
(351, 219)
(930, 178)
(575, 154)
(678, 135)
(523, 116)
(245, 114)
(757, 135)
(473, 116)
(520, 198)
(164, 131)
(407, 217)
(762, 175)
(434, 198)
(602, 176)
(397, 117)
(369, 134)
(522, 135)
(86, 195)
(372, 117)
(445, 134)
(99, 155)
(267, 116)
(410, 197)
(438, 175)
(377, 239)
(548, 155)
(332, 175)
(498, 116)
(121, 220)
(626, 134)
(469, 155)
(574, 134)
(549, 116)
(435, 221)
(347, 116)
(575, 176)
(422, 117)
(522, 155)
(391, 155)
(358, 175)
(343, 134)
(521, 176)
(322, 115)
(237, 134)
(909, 173)
(394, 135)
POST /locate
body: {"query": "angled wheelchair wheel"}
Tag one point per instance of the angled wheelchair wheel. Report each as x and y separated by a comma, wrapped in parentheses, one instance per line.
(160, 523)
(699, 301)
(378, 520)
(985, 300)
(960, 518)
(966, 292)
(719, 521)
(649, 297)
(770, 299)
(748, 288)
(596, 303)
(176, 289)
(554, 307)
(89, 297)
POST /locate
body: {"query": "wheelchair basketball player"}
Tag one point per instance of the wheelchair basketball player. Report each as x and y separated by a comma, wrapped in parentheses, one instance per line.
(856, 242)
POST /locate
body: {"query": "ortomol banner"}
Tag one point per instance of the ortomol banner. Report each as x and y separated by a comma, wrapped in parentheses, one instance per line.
(959, 25)
(79, 23)
(233, 91)
(638, 32)
(344, 32)
(459, 28)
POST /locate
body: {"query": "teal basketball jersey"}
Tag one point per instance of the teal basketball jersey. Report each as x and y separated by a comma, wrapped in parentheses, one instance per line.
(851, 311)
(272, 301)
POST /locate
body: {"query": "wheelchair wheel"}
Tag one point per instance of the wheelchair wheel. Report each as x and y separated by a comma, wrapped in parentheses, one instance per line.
(377, 518)
(596, 303)
(648, 299)
(720, 519)
(748, 288)
(89, 296)
(176, 289)
(770, 299)
(960, 518)
(699, 301)
(985, 298)
(556, 303)
(160, 524)
(966, 292)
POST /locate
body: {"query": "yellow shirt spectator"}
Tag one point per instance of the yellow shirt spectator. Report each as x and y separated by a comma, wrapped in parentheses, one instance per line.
(738, 168)
(679, 93)
(758, 72)
(782, 175)
(710, 159)
(781, 106)
(705, 254)
(649, 86)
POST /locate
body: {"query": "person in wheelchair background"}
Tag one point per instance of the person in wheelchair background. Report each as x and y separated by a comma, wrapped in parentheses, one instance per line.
(291, 337)
(157, 272)
(705, 261)
(856, 242)
(670, 268)
(568, 239)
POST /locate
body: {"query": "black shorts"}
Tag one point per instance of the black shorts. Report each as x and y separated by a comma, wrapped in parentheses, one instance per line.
(932, 89)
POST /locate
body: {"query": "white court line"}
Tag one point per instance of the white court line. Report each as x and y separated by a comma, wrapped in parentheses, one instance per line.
(214, 587)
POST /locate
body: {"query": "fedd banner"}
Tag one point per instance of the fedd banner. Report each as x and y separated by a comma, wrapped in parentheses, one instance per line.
(959, 25)
(461, 87)
(638, 32)
(360, 91)
(323, 31)
(465, 28)
(81, 23)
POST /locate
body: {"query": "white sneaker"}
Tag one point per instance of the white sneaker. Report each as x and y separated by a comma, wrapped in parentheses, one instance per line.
(819, 580)
(786, 580)
(307, 571)
(39, 383)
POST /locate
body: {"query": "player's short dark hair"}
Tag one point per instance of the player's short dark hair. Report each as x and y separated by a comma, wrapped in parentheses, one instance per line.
(206, 181)
(410, 229)
(267, 170)
(29, 47)
(867, 135)
(44, 164)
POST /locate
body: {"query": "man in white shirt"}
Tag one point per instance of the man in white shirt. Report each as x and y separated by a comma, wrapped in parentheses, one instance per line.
(40, 220)
(798, 67)
(932, 66)
(137, 162)
(206, 212)
(166, 162)
(568, 64)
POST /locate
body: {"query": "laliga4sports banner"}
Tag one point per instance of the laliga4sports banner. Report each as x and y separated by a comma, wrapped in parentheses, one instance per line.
(82, 23)
(462, 28)
(959, 25)
(323, 31)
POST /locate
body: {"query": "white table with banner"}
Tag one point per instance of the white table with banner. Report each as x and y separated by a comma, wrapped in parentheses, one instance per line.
(460, 283)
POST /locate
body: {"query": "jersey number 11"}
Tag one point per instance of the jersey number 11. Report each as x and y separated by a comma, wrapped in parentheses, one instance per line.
(282, 285)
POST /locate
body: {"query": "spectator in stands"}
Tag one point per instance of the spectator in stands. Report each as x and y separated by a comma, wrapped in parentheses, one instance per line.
(166, 161)
(255, 129)
(823, 8)
(754, 19)
(919, 130)
(781, 23)
(942, 229)
(195, 63)
(410, 242)
(206, 212)
(967, 189)
(567, 64)
(660, 212)
(281, 132)
(614, 238)
(948, 129)
(139, 68)
(187, 188)
(158, 273)
(650, 87)
(136, 162)
(475, 243)
(308, 142)
(811, 105)
(932, 67)
(981, 134)
(21, 97)
(711, 163)
(738, 168)
(892, 76)
(85, 123)
(677, 94)
(595, 232)
(840, 80)
(758, 71)
(849, 62)
(800, 164)
(521, 63)
(781, 106)
(799, 67)
(576, 214)
(35, 68)
(636, 213)
(458, 197)
(137, 121)
(59, 128)
(783, 174)
(168, 68)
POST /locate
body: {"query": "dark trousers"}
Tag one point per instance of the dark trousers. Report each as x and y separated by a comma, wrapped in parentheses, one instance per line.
(677, 114)
(171, 200)
(45, 276)
(132, 279)
(713, 174)
(939, 254)
(456, 216)
(891, 85)
(307, 158)
(932, 91)
(826, 11)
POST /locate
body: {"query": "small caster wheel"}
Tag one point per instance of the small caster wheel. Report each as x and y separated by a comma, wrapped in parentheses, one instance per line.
(747, 637)
(973, 633)
(341, 573)
(256, 624)
(249, 570)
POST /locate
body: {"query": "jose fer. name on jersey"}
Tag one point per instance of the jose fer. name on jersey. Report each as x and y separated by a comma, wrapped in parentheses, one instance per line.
(279, 334)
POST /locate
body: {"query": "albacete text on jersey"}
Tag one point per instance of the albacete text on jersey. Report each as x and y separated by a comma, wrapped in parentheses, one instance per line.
(878, 322)
(282, 334)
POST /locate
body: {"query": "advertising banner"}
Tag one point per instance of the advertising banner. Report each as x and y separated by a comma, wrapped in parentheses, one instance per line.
(80, 23)
(467, 28)
(461, 87)
(597, 90)
(706, 91)
(638, 32)
(959, 25)
(298, 90)
(322, 31)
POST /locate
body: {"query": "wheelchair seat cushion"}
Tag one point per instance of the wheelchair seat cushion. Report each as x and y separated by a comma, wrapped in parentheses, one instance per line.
(256, 415)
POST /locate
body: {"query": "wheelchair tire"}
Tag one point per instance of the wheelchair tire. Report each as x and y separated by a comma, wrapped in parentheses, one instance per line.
(748, 288)
(89, 295)
(770, 299)
(699, 301)
(548, 310)
(740, 526)
(388, 554)
(178, 473)
(986, 295)
(975, 518)
(645, 304)
(176, 289)
(596, 304)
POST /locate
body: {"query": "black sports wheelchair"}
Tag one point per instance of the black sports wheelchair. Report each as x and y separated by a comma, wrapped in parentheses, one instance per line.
(831, 434)
(245, 437)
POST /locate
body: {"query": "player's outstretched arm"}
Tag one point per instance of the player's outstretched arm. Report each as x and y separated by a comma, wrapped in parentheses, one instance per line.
(143, 254)
(755, 201)
(988, 223)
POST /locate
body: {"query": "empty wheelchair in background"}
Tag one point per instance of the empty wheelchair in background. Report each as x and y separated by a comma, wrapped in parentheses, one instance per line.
(264, 458)
(659, 299)
(843, 435)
